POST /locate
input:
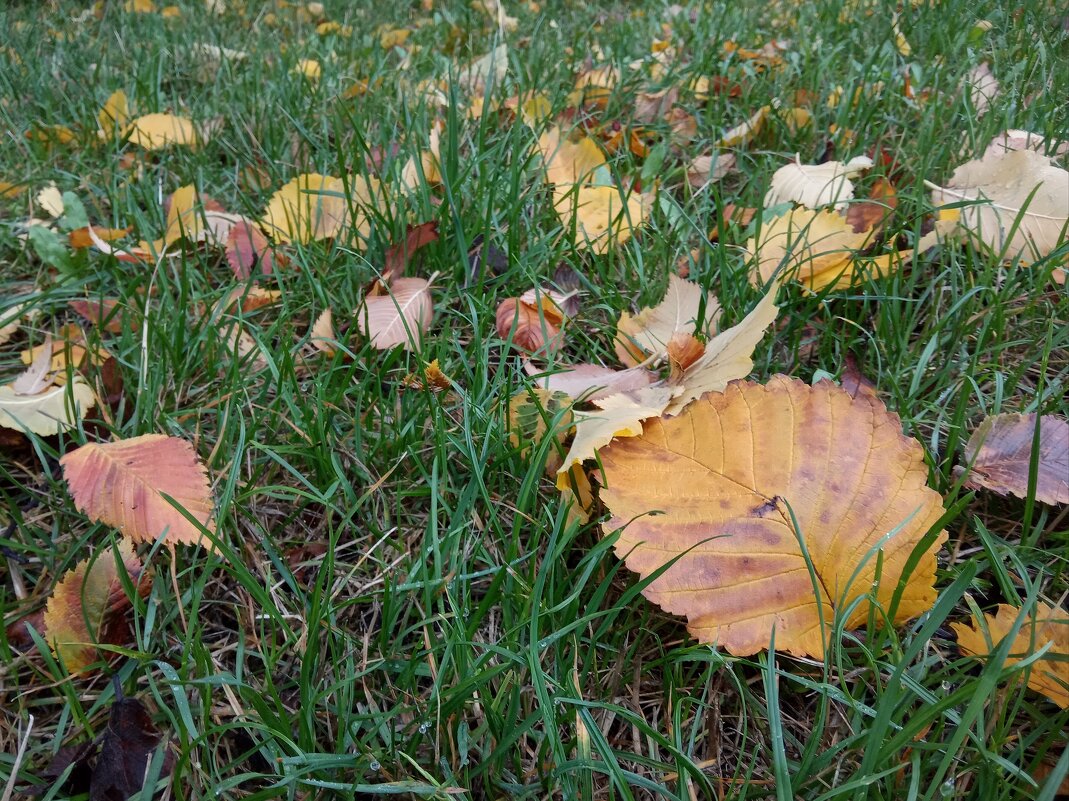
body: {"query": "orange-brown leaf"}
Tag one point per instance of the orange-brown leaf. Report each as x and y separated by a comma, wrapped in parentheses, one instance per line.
(398, 255)
(1044, 626)
(88, 607)
(528, 326)
(122, 484)
(723, 473)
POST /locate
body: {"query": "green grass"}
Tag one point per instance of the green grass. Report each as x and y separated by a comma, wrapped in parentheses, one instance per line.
(451, 634)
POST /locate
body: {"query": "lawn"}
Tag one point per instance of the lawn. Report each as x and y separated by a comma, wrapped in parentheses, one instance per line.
(391, 596)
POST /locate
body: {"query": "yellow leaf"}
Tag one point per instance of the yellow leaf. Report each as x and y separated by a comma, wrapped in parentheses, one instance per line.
(139, 6)
(601, 216)
(744, 133)
(1046, 625)
(313, 207)
(309, 68)
(122, 484)
(722, 474)
(394, 37)
(158, 131)
(88, 605)
(48, 413)
(816, 185)
(51, 200)
(322, 335)
(650, 331)
(114, 116)
(569, 162)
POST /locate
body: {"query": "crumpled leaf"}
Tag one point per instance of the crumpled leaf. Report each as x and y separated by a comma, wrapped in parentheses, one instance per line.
(590, 381)
(816, 185)
(313, 206)
(122, 484)
(129, 743)
(399, 254)
(602, 218)
(1000, 454)
(723, 473)
(649, 331)
(727, 356)
(1045, 625)
(1004, 183)
(88, 606)
(159, 131)
(49, 412)
(400, 317)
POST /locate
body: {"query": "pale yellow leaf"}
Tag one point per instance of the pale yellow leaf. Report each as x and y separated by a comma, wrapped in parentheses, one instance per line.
(816, 185)
(649, 332)
(158, 131)
(48, 413)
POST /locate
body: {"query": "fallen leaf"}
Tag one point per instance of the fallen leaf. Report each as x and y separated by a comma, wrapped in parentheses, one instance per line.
(872, 213)
(432, 380)
(710, 169)
(649, 332)
(122, 484)
(618, 415)
(309, 68)
(999, 454)
(602, 217)
(590, 382)
(79, 237)
(68, 349)
(727, 356)
(400, 317)
(398, 255)
(48, 413)
(50, 199)
(982, 87)
(1022, 140)
(744, 133)
(126, 751)
(535, 414)
(159, 131)
(10, 319)
(312, 207)
(854, 381)
(114, 117)
(35, 379)
(490, 69)
(723, 472)
(1022, 204)
(740, 216)
(88, 606)
(1044, 626)
(816, 185)
(249, 252)
(322, 335)
(531, 324)
(566, 161)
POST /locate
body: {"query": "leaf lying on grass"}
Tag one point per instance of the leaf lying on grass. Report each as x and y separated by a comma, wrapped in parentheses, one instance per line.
(1000, 455)
(49, 412)
(1045, 626)
(649, 332)
(122, 483)
(88, 605)
(400, 317)
(723, 473)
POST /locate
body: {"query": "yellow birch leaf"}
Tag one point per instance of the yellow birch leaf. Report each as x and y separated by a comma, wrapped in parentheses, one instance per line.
(602, 217)
(158, 131)
(567, 162)
(722, 475)
(122, 484)
(114, 116)
(1046, 625)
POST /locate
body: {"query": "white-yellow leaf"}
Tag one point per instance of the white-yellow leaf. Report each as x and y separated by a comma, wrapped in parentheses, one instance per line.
(49, 412)
(816, 185)
(649, 331)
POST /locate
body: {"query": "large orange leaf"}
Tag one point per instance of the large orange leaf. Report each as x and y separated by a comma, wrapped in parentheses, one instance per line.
(722, 475)
(123, 483)
(87, 607)
(1049, 676)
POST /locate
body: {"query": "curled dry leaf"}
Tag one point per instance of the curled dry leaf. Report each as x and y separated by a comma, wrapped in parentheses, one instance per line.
(321, 334)
(602, 217)
(744, 133)
(531, 323)
(398, 255)
(1042, 627)
(1022, 202)
(724, 473)
(816, 185)
(158, 131)
(590, 382)
(88, 606)
(123, 484)
(998, 456)
(649, 332)
(400, 317)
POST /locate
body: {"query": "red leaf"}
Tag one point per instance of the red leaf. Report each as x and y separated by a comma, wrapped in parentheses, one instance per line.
(249, 251)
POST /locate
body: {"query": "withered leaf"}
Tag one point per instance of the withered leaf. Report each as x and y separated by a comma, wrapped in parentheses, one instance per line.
(399, 255)
(126, 751)
(1000, 453)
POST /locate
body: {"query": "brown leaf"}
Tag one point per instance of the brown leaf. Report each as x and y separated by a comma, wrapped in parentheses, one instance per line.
(872, 214)
(590, 381)
(1045, 625)
(683, 350)
(531, 327)
(398, 255)
(248, 251)
(649, 332)
(723, 473)
(122, 484)
(1000, 452)
(126, 751)
(734, 215)
(106, 314)
(88, 607)
(854, 381)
